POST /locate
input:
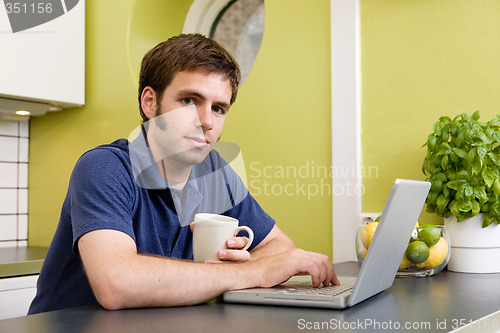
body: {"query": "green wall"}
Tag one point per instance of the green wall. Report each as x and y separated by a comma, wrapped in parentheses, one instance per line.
(281, 119)
(421, 60)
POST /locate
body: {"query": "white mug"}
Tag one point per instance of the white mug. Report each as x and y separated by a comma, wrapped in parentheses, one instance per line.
(210, 233)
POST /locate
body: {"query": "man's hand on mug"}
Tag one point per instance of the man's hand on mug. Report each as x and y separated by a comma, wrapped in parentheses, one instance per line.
(234, 251)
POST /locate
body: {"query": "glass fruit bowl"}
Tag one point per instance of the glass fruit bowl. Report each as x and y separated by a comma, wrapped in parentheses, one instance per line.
(427, 253)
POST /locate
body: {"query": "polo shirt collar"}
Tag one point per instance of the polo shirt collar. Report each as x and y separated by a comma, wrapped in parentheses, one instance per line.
(147, 175)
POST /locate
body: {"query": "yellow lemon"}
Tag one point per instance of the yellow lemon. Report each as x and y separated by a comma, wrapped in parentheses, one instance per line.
(437, 254)
(367, 233)
(405, 263)
(417, 226)
(363, 253)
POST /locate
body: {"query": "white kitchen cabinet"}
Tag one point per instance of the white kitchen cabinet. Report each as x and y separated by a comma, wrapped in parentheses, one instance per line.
(45, 63)
(16, 295)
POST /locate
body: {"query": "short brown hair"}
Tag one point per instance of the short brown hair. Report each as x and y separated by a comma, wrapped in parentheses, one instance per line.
(185, 52)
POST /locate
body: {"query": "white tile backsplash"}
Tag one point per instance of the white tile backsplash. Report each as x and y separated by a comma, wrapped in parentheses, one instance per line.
(22, 174)
(22, 203)
(14, 154)
(8, 201)
(8, 175)
(9, 128)
(22, 227)
(9, 149)
(24, 129)
(8, 227)
(23, 149)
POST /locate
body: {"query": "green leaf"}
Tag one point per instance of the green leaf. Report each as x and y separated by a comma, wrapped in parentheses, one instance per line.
(476, 208)
(441, 202)
(496, 186)
(425, 166)
(451, 174)
(482, 136)
(460, 153)
(495, 209)
(431, 141)
(487, 220)
(446, 191)
(477, 165)
(488, 176)
(476, 115)
(460, 139)
(437, 128)
(453, 184)
(430, 209)
(468, 191)
(455, 210)
(444, 162)
(493, 122)
(441, 176)
(463, 174)
(494, 157)
(432, 196)
(481, 151)
(482, 196)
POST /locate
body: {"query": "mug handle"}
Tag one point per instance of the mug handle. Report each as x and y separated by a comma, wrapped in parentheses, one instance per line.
(250, 235)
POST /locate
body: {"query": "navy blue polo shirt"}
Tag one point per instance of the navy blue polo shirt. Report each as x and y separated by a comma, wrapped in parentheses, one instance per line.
(118, 186)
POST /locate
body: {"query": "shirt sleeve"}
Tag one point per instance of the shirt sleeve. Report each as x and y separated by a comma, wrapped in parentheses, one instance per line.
(101, 194)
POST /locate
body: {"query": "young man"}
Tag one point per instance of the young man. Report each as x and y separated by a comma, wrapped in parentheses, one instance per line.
(124, 237)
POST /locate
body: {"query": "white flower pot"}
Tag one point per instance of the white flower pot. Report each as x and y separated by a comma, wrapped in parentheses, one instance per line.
(473, 249)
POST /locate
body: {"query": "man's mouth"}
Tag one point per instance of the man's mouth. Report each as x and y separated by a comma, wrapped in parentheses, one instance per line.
(198, 142)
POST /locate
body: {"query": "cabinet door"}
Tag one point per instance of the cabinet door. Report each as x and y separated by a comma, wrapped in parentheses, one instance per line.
(16, 295)
(44, 63)
(15, 303)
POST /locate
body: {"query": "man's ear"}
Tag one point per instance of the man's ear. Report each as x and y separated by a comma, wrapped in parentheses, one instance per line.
(148, 102)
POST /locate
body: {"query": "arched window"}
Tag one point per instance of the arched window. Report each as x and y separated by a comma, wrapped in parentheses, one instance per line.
(238, 25)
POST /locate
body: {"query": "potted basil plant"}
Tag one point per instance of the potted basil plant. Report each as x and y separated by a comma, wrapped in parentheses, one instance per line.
(463, 166)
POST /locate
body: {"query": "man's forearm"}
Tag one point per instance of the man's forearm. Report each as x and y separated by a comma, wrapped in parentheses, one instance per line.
(148, 281)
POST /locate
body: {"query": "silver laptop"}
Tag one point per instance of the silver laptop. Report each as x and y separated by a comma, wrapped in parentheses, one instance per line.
(377, 272)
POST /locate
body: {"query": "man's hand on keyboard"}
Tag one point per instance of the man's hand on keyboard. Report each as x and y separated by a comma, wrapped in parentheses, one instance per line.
(278, 268)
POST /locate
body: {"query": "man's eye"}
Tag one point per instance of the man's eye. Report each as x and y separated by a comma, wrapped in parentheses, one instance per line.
(218, 110)
(187, 101)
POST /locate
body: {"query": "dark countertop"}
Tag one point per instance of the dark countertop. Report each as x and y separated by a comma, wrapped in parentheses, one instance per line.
(21, 260)
(440, 303)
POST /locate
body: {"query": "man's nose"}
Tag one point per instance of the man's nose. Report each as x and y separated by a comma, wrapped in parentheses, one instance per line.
(205, 116)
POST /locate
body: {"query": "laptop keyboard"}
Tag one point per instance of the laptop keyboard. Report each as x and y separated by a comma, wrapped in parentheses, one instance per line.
(346, 284)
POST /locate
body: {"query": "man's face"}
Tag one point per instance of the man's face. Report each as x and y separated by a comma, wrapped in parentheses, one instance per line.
(189, 117)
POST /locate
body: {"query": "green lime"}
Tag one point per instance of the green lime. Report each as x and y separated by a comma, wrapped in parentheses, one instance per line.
(437, 255)
(417, 252)
(429, 236)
